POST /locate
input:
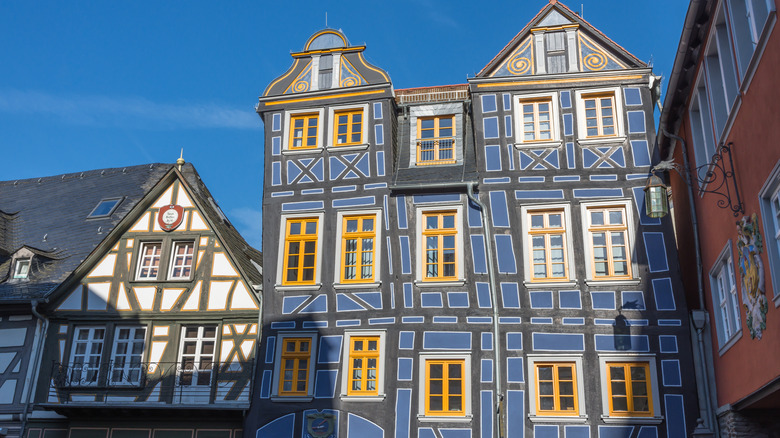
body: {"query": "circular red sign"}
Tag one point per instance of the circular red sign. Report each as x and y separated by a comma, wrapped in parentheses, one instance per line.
(170, 217)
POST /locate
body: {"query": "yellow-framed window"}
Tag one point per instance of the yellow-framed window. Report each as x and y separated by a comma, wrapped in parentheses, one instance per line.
(547, 232)
(348, 127)
(304, 131)
(608, 230)
(445, 387)
(556, 388)
(439, 237)
(600, 115)
(300, 251)
(629, 389)
(363, 365)
(358, 238)
(537, 119)
(435, 140)
(295, 361)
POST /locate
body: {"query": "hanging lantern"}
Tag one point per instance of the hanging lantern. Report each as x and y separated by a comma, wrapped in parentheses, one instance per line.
(656, 202)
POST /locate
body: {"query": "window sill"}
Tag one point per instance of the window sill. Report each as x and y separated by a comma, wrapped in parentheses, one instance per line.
(557, 418)
(631, 420)
(601, 140)
(299, 399)
(733, 340)
(591, 282)
(362, 398)
(354, 147)
(357, 285)
(312, 287)
(432, 283)
(301, 151)
(425, 165)
(539, 144)
(444, 419)
(539, 284)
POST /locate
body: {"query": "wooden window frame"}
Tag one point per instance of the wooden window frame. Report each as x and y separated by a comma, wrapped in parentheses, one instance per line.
(198, 356)
(600, 126)
(350, 113)
(306, 117)
(725, 296)
(296, 356)
(359, 236)
(607, 229)
(127, 368)
(365, 355)
(86, 366)
(22, 268)
(347, 393)
(425, 413)
(141, 258)
(302, 238)
(653, 395)
(437, 139)
(440, 233)
(629, 381)
(557, 412)
(546, 231)
(534, 413)
(618, 115)
(172, 266)
(276, 389)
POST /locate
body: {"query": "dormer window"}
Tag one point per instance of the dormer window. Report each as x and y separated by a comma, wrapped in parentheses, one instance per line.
(326, 72)
(555, 43)
(105, 208)
(21, 268)
(435, 133)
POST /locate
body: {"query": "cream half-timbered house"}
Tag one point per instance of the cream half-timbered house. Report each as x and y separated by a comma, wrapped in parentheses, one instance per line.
(157, 326)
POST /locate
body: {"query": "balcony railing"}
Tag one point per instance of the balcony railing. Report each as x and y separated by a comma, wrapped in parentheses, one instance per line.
(151, 382)
(435, 151)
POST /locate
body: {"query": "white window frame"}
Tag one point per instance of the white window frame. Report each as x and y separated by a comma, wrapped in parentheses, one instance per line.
(281, 336)
(127, 368)
(172, 259)
(532, 359)
(526, 227)
(433, 110)
(771, 221)
(745, 30)
(381, 368)
(619, 115)
(200, 338)
(467, 393)
(85, 368)
(320, 131)
(377, 248)
(702, 129)
(728, 324)
(588, 244)
(459, 245)
(555, 123)
(283, 242)
(19, 266)
(722, 82)
(140, 260)
(650, 358)
(332, 127)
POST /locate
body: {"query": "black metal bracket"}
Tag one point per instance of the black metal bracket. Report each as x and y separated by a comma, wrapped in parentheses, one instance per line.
(719, 179)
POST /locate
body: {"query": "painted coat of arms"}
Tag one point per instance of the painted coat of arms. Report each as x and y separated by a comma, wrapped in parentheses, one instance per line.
(751, 269)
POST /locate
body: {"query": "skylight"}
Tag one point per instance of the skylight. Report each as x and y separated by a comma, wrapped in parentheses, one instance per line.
(104, 208)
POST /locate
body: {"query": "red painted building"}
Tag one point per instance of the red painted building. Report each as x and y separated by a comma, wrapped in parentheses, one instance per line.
(722, 108)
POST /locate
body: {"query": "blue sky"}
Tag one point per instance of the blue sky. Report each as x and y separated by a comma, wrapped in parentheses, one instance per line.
(97, 84)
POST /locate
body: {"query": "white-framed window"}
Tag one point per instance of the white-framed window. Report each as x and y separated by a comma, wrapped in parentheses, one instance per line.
(769, 198)
(348, 127)
(196, 355)
(440, 244)
(547, 236)
(748, 20)
(22, 268)
(182, 258)
(300, 251)
(701, 126)
(294, 366)
(556, 388)
(437, 131)
(721, 75)
(149, 261)
(723, 285)
(364, 365)
(629, 389)
(445, 389)
(537, 120)
(600, 115)
(127, 355)
(86, 356)
(609, 233)
(303, 130)
(358, 248)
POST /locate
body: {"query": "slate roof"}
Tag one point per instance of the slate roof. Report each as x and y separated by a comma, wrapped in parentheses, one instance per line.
(48, 217)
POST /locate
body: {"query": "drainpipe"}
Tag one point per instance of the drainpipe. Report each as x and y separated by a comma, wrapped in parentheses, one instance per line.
(469, 186)
(699, 315)
(40, 331)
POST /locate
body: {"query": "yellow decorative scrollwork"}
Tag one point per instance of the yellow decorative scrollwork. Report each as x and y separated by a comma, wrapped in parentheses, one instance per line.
(349, 82)
(595, 61)
(518, 65)
(301, 86)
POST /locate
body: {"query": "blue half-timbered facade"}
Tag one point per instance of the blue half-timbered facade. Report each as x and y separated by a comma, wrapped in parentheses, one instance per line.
(469, 260)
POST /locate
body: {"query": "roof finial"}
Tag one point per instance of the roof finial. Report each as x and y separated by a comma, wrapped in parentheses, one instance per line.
(180, 161)
(326, 19)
